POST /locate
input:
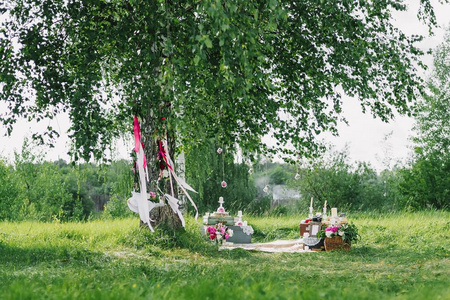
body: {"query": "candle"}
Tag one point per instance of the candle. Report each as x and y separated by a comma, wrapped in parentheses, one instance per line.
(334, 212)
(311, 205)
(240, 214)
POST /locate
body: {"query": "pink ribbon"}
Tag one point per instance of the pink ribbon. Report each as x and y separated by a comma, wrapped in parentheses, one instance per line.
(137, 139)
(137, 135)
(161, 152)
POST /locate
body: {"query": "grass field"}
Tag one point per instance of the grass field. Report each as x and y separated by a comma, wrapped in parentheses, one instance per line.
(400, 256)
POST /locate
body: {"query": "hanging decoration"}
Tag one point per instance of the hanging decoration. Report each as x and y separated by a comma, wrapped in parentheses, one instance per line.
(223, 183)
(139, 202)
(181, 183)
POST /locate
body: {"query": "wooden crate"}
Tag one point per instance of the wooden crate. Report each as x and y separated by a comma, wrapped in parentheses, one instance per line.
(304, 227)
(336, 243)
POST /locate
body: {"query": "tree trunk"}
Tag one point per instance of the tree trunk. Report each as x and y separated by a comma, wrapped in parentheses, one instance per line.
(161, 216)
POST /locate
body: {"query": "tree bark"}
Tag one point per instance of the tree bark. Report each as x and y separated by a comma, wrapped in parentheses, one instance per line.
(161, 216)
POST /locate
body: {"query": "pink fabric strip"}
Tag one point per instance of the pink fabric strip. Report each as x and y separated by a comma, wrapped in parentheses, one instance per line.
(137, 135)
(145, 158)
(137, 139)
(161, 151)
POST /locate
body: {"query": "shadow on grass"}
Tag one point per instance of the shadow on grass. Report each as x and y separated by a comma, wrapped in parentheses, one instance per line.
(26, 256)
(387, 253)
(166, 239)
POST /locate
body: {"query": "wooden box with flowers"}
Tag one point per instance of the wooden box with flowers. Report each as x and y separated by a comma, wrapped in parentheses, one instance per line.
(340, 236)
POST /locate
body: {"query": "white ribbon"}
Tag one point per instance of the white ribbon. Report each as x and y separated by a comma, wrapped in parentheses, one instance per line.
(173, 202)
(134, 200)
(183, 185)
(143, 203)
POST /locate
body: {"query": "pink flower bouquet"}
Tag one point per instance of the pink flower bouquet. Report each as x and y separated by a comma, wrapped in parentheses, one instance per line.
(218, 233)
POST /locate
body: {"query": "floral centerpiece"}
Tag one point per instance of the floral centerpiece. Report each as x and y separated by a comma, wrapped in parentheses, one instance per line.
(219, 233)
(340, 235)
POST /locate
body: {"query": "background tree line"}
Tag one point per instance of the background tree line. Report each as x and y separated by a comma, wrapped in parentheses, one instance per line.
(32, 188)
(57, 191)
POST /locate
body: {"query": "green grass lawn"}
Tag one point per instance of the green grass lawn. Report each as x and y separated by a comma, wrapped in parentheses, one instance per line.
(400, 256)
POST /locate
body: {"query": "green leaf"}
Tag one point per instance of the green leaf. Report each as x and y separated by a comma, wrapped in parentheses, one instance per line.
(196, 59)
(207, 41)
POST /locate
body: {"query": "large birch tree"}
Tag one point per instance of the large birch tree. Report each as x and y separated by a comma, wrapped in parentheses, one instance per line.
(192, 69)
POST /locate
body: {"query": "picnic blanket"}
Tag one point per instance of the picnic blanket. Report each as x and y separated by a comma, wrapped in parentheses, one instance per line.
(275, 246)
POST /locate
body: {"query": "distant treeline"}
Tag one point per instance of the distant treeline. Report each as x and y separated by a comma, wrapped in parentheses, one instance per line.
(45, 191)
(424, 184)
(31, 188)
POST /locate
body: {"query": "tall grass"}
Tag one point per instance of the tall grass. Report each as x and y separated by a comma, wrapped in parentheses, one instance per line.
(400, 256)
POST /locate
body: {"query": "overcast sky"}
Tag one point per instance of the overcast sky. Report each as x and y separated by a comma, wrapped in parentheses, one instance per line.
(372, 140)
(367, 138)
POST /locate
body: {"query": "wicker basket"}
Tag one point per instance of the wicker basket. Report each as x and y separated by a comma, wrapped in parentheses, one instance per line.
(336, 243)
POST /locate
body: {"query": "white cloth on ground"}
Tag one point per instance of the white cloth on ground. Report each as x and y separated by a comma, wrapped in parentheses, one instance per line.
(290, 246)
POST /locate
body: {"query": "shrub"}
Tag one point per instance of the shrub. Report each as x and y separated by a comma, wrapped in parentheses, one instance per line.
(9, 190)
